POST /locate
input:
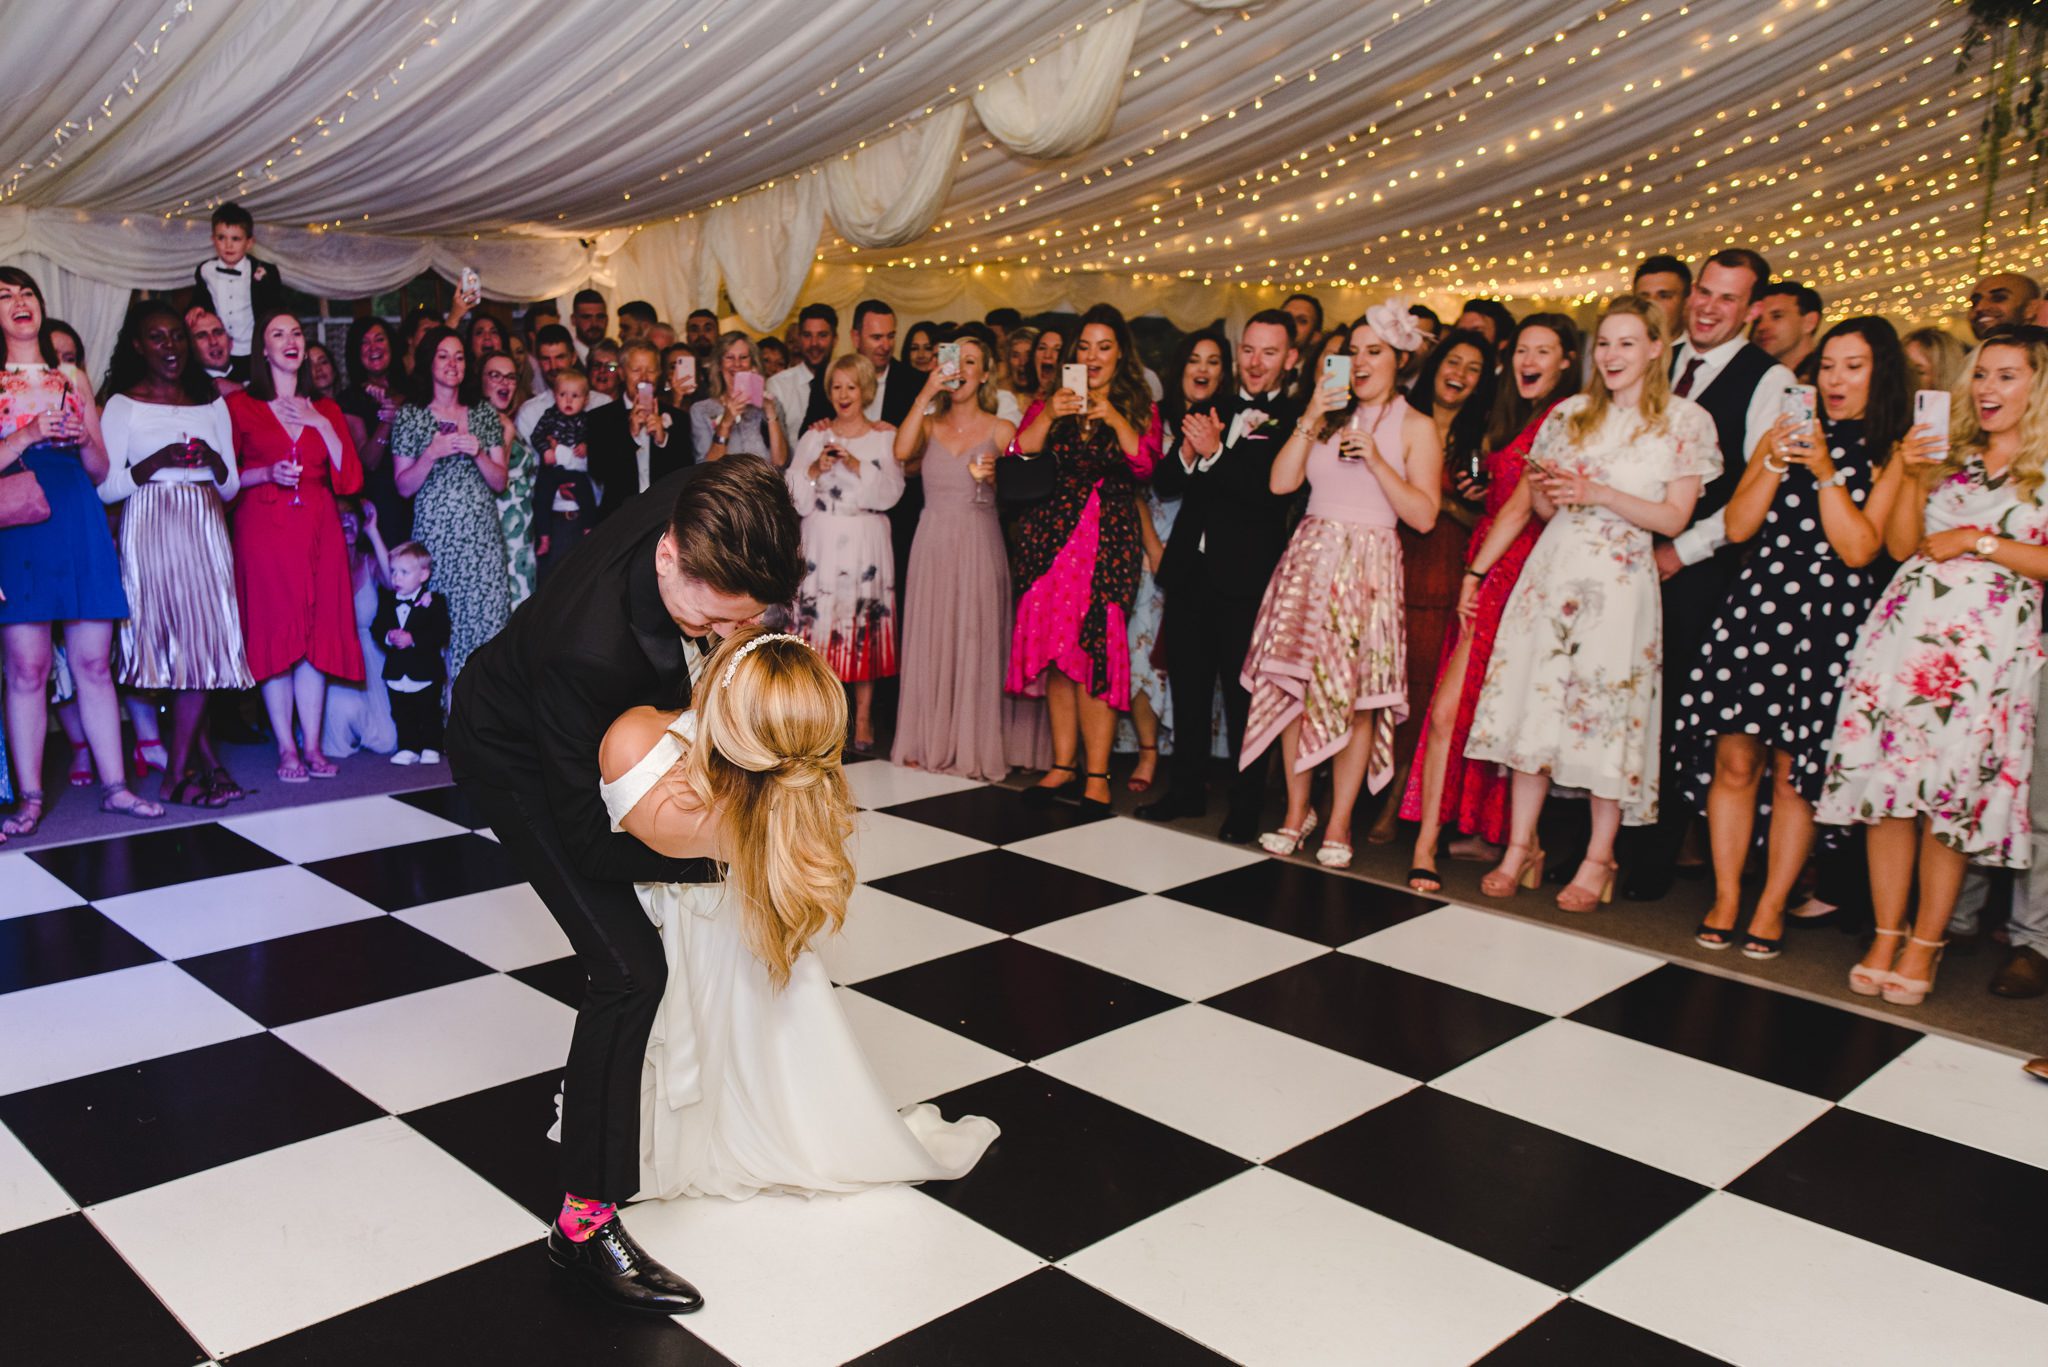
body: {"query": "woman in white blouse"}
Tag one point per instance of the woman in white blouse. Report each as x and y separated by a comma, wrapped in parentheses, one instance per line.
(171, 464)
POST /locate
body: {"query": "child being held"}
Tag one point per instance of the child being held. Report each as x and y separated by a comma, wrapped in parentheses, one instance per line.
(235, 285)
(413, 626)
(564, 494)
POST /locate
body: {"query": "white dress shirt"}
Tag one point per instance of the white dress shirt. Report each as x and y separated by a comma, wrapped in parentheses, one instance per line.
(874, 408)
(233, 300)
(529, 413)
(790, 388)
(1710, 534)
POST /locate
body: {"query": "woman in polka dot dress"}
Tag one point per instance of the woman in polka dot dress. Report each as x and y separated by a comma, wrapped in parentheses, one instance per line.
(1762, 697)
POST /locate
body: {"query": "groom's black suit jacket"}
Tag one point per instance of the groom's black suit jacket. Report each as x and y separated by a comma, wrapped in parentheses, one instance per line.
(534, 702)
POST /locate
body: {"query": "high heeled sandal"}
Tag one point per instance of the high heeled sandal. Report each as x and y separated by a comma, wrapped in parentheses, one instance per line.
(82, 775)
(1528, 873)
(1713, 937)
(1142, 785)
(27, 816)
(139, 758)
(1899, 991)
(1576, 896)
(1869, 982)
(1287, 839)
(141, 808)
(1100, 804)
(1334, 854)
(1044, 795)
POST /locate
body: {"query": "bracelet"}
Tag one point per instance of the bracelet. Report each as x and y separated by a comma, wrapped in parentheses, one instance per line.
(1774, 469)
(1839, 479)
(1302, 429)
(1471, 573)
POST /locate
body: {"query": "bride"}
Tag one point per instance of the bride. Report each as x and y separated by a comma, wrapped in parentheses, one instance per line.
(753, 1080)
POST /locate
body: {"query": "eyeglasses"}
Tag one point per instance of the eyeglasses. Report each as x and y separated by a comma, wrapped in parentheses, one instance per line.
(610, 367)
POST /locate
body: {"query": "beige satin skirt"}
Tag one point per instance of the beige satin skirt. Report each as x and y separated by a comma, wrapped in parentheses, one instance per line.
(184, 629)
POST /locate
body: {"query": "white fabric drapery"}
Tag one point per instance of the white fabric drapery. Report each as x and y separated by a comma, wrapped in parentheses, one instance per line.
(1063, 103)
(764, 244)
(889, 192)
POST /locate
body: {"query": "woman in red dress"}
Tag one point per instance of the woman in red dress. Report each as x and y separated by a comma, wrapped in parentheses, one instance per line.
(291, 568)
(1442, 787)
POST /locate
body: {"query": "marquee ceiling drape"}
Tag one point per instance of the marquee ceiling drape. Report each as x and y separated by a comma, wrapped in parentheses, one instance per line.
(1196, 153)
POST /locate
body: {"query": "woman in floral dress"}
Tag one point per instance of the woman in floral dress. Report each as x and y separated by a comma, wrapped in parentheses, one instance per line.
(448, 453)
(1571, 694)
(1934, 742)
(504, 393)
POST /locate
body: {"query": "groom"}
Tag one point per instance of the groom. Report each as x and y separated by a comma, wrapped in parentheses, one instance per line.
(626, 621)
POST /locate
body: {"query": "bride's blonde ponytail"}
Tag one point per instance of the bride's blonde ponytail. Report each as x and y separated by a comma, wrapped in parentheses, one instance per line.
(771, 724)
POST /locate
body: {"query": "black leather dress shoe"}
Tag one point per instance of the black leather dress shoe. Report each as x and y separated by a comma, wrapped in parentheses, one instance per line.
(1178, 803)
(1239, 828)
(618, 1270)
(1650, 884)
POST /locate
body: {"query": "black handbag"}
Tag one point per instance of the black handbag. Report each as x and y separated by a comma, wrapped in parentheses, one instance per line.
(1021, 480)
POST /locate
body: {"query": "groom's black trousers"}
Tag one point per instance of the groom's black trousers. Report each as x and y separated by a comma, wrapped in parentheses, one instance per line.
(620, 951)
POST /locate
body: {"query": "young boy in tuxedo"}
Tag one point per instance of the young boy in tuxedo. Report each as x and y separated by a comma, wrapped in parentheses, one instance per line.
(235, 285)
(412, 625)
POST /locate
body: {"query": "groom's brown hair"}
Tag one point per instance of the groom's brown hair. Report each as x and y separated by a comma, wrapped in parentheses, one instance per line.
(736, 530)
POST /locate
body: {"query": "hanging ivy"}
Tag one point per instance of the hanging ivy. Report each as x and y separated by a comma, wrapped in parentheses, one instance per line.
(2014, 36)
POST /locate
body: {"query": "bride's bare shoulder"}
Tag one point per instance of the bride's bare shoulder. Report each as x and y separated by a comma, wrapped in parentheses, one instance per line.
(628, 740)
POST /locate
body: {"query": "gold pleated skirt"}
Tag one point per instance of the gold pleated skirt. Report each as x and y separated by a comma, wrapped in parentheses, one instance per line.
(184, 629)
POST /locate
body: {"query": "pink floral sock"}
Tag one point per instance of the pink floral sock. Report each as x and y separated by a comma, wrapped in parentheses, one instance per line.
(581, 1218)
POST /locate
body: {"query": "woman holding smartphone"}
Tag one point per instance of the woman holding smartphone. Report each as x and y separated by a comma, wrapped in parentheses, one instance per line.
(1934, 739)
(1764, 690)
(736, 419)
(448, 449)
(1327, 668)
(844, 478)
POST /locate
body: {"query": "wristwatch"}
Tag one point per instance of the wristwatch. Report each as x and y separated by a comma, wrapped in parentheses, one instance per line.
(1838, 478)
(1987, 545)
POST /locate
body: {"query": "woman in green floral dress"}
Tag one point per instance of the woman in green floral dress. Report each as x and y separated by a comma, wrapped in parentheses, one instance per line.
(503, 392)
(448, 452)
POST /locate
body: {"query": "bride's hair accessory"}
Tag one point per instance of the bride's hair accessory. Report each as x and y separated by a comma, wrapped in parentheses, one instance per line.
(732, 665)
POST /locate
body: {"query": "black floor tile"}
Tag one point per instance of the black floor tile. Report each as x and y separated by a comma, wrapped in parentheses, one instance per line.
(55, 946)
(449, 803)
(1574, 1334)
(562, 979)
(1416, 1026)
(319, 972)
(1528, 1198)
(136, 1127)
(402, 876)
(1810, 1047)
(999, 816)
(1005, 891)
(1016, 998)
(502, 1134)
(1071, 1168)
(1948, 1204)
(1325, 907)
(152, 859)
(508, 1311)
(73, 1302)
(1047, 1319)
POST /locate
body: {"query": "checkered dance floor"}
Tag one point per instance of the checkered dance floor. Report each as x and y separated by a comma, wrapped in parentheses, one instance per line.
(275, 1090)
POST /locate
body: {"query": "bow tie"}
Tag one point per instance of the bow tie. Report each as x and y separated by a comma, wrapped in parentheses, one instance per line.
(1255, 400)
(219, 269)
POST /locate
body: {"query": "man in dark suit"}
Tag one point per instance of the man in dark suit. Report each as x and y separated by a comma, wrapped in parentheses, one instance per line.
(1226, 542)
(619, 625)
(638, 441)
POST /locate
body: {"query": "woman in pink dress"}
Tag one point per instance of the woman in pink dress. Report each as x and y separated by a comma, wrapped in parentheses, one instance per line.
(1327, 669)
(1078, 553)
(1442, 787)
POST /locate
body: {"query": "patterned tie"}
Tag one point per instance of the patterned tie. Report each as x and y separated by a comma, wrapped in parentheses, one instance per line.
(1692, 367)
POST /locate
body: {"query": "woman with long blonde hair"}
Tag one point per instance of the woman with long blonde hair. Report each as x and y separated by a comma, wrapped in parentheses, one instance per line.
(754, 1081)
(1934, 740)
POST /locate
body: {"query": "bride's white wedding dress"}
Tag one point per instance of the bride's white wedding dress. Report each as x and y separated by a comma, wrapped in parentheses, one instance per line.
(747, 1089)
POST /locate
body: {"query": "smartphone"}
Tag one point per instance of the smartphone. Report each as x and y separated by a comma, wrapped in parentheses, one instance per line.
(751, 388)
(949, 362)
(1336, 373)
(643, 394)
(471, 285)
(1801, 404)
(687, 365)
(1930, 410)
(1075, 377)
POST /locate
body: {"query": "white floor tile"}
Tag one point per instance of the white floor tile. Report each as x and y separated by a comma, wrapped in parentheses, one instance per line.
(1676, 1113)
(1238, 1085)
(317, 1228)
(1268, 1270)
(331, 829)
(790, 1282)
(882, 784)
(446, 1042)
(1809, 1295)
(1174, 947)
(884, 932)
(185, 920)
(883, 845)
(1962, 1092)
(26, 888)
(1516, 961)
(28, 1194)
(87, 1025)
(1136, 854)
(507, 927)
(915, 1059)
